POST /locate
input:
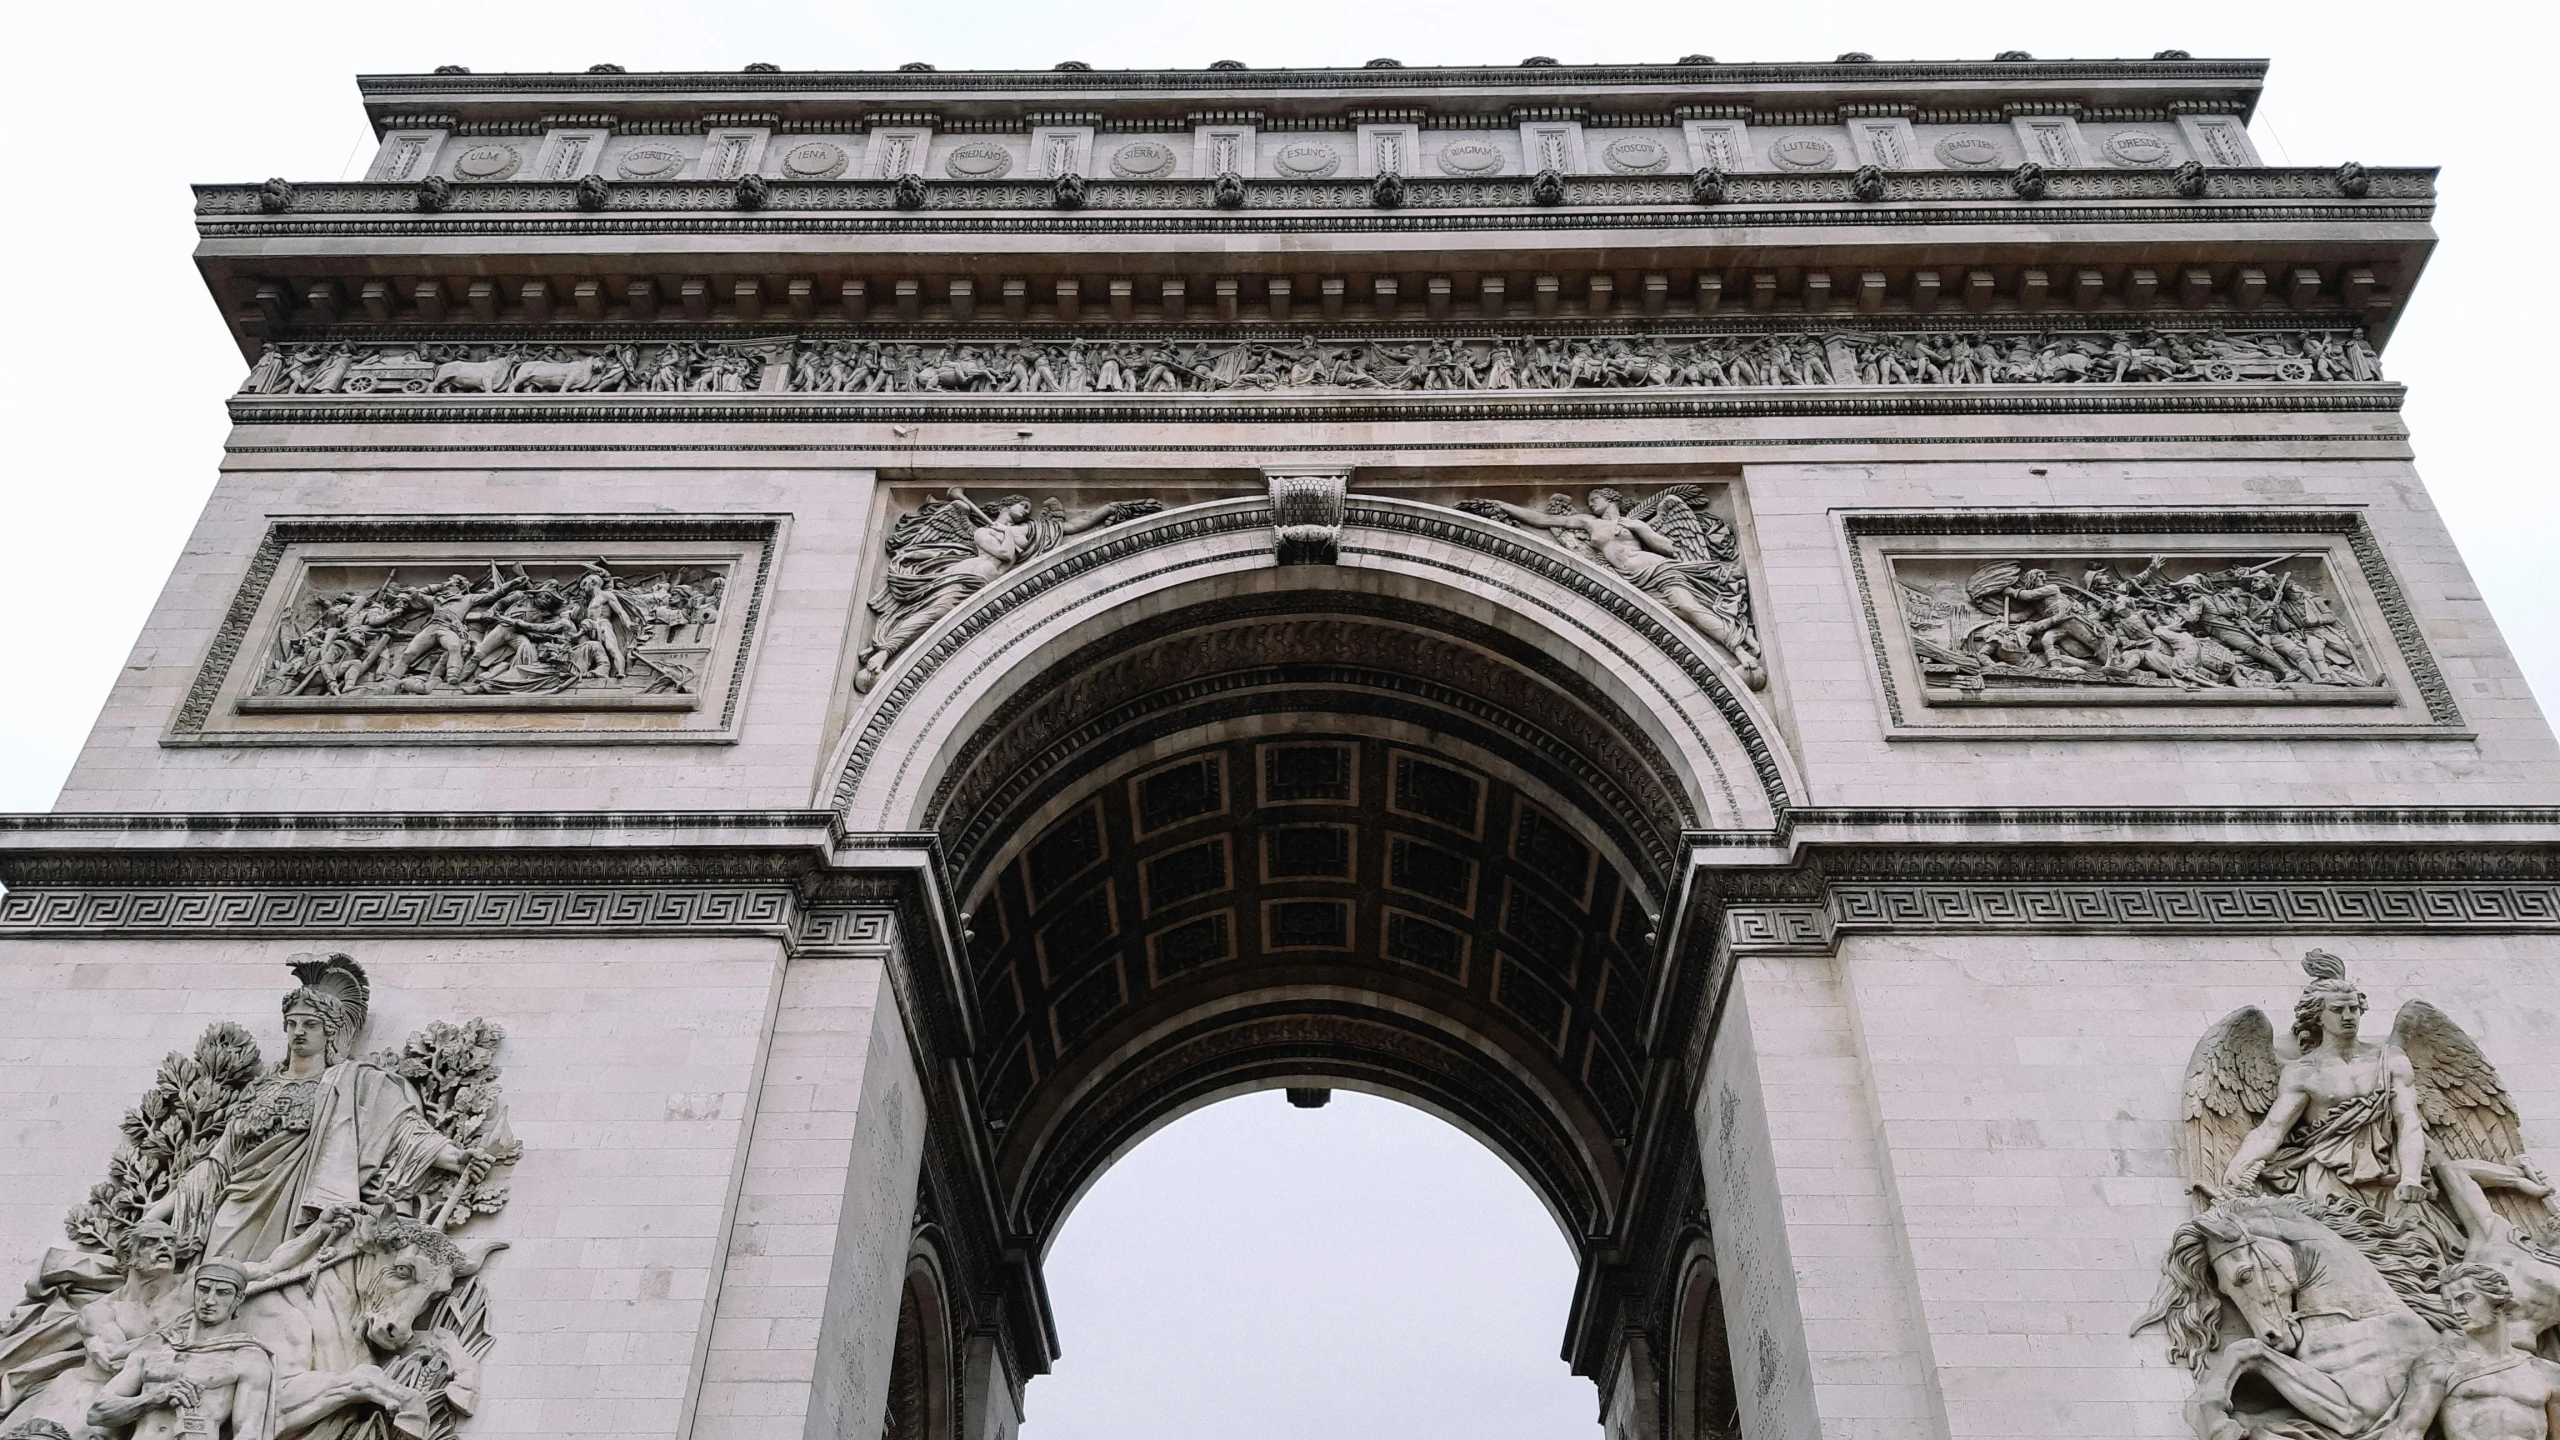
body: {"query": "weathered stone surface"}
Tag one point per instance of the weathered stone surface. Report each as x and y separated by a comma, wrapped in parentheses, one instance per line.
(1779, 641)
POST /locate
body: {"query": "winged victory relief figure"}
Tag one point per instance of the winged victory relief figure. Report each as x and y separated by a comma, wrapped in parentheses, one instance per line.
(950, 549)
(2353, 1196)
(1671, 547)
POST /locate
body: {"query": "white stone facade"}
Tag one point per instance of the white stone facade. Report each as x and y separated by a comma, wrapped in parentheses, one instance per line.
(845, 917)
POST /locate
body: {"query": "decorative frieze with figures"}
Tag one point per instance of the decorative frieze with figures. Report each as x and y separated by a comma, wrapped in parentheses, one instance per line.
(634, 628)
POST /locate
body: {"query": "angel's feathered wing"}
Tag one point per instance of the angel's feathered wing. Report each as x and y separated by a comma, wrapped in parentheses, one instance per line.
(938, 530)
(2231, 1081)
(1677, 513)
(2468, 1114)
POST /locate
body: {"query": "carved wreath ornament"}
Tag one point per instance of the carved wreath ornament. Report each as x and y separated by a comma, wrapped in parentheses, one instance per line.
(2373, 1249)
(272, 1254)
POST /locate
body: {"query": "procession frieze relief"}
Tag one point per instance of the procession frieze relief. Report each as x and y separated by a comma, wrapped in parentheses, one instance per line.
(278, 1250)
(1348, 365)
(2069, 620)
(2374, 1252)
(375, 631)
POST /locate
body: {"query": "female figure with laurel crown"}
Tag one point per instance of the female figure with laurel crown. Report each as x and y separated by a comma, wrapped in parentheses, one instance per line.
(323, 1130)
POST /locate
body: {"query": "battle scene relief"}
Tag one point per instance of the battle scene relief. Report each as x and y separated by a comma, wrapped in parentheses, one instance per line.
(587, 633)
(2030, 628)
(274, 1253)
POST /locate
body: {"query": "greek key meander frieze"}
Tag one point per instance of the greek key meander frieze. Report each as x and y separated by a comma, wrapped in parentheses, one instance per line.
(1344, 364)
(278, 1250)
(2372, 1245)
(2264, 905)
(406, 627)
(366, 909)
(2255, 905)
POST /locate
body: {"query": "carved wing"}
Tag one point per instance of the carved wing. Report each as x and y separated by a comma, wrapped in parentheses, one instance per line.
(2468, 1114)
(938, 529)
(2231, 1080)
(1677, 514)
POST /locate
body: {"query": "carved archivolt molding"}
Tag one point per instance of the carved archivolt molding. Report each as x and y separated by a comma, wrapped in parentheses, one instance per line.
(1448, 1073)
(280, 1236)
(1193, 657)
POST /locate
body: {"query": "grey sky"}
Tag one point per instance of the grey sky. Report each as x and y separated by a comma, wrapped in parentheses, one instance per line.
(1251, 1262)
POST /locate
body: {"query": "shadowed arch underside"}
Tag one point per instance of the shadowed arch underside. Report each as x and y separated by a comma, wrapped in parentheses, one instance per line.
(1311, 836)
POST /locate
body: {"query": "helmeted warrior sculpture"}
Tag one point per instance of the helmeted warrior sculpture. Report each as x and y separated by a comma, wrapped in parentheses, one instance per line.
(329, 1300)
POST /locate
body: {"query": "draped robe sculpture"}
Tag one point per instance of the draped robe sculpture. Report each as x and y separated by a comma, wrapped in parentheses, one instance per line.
(318, 1194)
(2391, 1170)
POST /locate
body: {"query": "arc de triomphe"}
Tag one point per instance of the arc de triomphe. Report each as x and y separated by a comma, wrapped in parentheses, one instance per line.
(795, 661)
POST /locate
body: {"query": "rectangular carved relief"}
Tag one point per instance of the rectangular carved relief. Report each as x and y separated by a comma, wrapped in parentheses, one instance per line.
(2081, 623)
(411, 629)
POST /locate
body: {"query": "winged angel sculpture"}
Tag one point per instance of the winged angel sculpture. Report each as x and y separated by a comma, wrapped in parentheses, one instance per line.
(270, 1256)
(950, 549)
(1671, 547)
(2373, 1245)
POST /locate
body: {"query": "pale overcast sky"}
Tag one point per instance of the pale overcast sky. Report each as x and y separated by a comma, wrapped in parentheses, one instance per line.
(1253, 1272)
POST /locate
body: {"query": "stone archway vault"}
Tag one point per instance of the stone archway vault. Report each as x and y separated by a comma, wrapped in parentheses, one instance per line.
(1406, 823)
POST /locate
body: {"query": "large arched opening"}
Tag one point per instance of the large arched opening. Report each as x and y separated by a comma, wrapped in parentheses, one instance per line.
(1265, 1270)
(1408, 824)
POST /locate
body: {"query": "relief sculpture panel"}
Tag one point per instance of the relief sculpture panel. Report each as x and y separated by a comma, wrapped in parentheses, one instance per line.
(2055, 621)
(362, 637)
(2031, 629)
(354, 628)
(818, 365)
(273, 1253)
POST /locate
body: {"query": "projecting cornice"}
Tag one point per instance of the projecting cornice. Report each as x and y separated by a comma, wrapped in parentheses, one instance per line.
(1473, 90)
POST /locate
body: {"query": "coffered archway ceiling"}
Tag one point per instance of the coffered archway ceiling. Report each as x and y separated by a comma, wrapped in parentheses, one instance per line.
(1325, 838)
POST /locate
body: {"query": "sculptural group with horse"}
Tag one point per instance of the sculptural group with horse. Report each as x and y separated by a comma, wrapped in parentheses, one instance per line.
(2355, 1197)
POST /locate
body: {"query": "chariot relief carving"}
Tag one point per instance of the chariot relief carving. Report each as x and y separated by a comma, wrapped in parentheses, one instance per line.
(2374, 1249)
(273, 1252)
(813, 366)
